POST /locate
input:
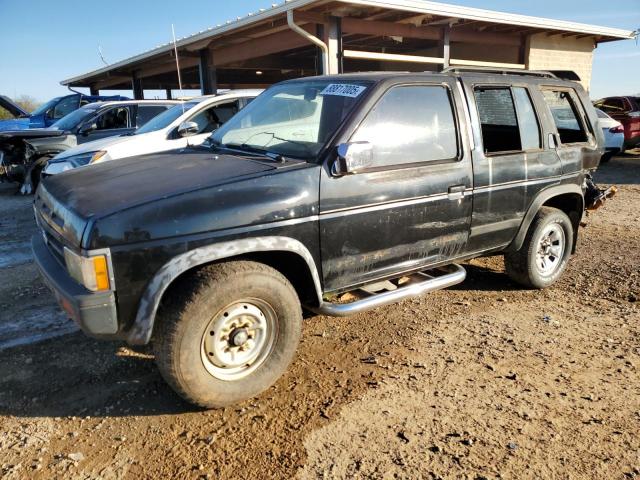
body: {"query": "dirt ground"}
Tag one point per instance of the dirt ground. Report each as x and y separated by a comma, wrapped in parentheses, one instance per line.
(481, 381)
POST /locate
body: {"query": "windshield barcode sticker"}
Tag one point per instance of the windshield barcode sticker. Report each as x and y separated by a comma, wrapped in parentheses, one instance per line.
(343, 90)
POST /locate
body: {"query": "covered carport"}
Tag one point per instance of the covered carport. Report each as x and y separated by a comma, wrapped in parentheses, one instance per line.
(309, 37)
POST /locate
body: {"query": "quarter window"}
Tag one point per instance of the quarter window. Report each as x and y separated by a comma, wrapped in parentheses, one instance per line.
(566, 116)
(410, 124)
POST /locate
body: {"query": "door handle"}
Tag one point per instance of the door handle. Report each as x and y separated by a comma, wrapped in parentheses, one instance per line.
(456, 192)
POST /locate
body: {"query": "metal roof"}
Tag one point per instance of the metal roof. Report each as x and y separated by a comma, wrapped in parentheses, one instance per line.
(414, 6)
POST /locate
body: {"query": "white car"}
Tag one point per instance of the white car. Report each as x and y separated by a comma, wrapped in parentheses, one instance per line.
(188, 123)
(613, 135)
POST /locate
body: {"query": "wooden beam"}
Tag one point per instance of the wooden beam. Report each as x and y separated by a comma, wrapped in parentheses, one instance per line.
(391, 57)
(474, 63)
(275, 43)
(389, 29)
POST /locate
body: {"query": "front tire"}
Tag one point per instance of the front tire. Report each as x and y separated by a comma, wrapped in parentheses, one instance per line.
(227, 332)
(545, 252)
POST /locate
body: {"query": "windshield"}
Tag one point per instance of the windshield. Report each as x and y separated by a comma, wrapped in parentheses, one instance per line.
(74, 119)
(292, 119)
(43, 108)
(166, 118)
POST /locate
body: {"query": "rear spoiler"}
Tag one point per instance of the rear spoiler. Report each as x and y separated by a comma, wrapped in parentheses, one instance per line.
(566, 75)
(12, 108)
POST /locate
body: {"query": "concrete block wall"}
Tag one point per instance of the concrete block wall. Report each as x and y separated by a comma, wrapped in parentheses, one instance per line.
(556, 52)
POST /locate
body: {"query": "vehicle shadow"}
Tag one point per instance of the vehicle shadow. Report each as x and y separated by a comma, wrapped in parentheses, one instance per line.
(484, 279)
(75, 376)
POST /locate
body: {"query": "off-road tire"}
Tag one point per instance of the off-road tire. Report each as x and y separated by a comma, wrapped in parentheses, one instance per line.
(521, 264)
(185, 315)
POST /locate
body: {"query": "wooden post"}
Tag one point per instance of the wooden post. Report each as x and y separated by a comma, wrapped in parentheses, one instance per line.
(334, 42)
(136, 86)
(208, 76)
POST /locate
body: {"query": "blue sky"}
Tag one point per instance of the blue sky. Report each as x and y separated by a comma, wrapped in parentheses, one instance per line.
(50, 41)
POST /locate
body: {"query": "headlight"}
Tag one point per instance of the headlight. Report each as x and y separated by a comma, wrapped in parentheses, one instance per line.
(53, 168)
(86, 158)
(92, 272)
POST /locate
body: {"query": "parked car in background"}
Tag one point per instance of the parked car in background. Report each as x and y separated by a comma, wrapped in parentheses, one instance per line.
(24, 153)
(613, 135)
(626, 110)
(190, 123)
(377, 184)
(50, 112)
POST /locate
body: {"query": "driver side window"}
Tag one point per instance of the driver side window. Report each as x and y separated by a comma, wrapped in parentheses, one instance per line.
(64, 107)
(117, 117)
(214, 117)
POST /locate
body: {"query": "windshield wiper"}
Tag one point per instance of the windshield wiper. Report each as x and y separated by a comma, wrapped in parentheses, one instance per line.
(251, 149)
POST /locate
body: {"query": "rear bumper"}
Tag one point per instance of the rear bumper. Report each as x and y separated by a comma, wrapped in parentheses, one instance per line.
(95, 313)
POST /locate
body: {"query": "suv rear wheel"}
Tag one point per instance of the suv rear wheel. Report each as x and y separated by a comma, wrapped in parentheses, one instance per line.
(227, 332)
(545, 251)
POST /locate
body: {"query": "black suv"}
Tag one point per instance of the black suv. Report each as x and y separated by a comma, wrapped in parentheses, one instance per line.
(376, 184)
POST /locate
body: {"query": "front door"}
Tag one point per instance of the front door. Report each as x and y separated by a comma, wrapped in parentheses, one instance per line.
(412, 209)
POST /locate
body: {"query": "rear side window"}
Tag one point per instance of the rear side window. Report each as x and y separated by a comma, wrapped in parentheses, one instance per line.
(411, 124)
(498, 119)
(566, 116)
(147, 112)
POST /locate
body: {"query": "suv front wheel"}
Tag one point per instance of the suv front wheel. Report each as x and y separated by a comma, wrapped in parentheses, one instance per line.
(227, 332)
(545, 251)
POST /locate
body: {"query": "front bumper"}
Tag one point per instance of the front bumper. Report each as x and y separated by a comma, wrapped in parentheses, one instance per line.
(95, 313)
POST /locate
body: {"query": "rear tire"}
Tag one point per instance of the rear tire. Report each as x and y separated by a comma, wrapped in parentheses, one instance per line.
(545, 252)
(227, 332)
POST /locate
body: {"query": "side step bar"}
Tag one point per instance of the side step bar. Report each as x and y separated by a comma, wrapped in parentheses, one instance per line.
(417, 284)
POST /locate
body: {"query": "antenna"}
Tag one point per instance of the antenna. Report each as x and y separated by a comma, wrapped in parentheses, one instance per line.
(175, 48)
(102, 56)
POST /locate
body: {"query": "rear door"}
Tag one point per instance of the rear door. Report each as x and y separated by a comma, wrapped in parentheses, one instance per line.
(509, 157)
(413, 208)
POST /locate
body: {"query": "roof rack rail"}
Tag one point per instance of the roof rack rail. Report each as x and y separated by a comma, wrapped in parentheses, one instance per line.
(501, 71)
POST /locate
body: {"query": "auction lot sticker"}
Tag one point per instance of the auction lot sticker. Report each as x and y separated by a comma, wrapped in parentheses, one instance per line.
(343, 90)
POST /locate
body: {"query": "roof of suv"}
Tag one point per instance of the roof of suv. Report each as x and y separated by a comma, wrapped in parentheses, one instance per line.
(451, 72)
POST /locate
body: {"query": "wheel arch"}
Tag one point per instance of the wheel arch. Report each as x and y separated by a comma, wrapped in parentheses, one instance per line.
(567, 198)
(287, 255)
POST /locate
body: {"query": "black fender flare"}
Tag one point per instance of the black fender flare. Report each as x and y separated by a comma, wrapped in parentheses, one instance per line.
(543, 197)
(142, 329)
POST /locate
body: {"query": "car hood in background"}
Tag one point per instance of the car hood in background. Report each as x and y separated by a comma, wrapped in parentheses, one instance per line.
(100, 144)
(13, 108)
(32, 133)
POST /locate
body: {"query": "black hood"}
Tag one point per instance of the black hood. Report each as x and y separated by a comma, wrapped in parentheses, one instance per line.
(113, 186)
(13, 107)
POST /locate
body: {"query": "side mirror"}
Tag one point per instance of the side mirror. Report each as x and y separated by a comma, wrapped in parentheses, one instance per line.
(87, 128)
(352, 158)
(186, 129)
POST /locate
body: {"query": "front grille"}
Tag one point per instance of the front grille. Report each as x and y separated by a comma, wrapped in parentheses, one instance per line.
(55, 247)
